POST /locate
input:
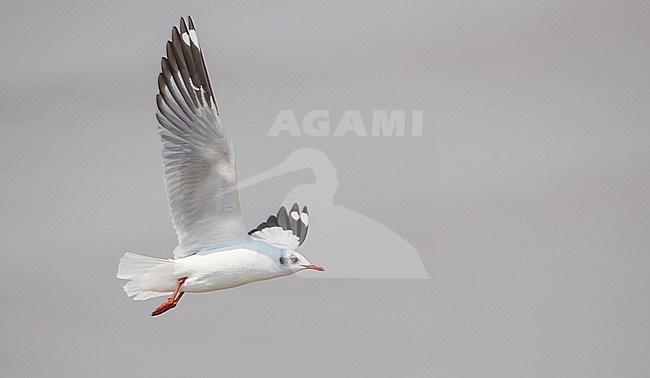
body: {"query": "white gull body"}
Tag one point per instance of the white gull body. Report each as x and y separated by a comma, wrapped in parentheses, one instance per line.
(207, 271)
(214, 249)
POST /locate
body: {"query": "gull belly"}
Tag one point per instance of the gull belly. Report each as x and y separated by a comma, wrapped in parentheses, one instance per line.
(227, 269)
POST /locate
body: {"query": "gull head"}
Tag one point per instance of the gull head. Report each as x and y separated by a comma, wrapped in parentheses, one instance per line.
(293, 262)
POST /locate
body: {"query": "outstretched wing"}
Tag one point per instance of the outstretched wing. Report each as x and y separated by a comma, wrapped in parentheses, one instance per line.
(198, 160)
(284, 230)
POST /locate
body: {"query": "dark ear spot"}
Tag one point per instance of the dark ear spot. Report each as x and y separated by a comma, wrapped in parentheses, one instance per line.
(283, 260)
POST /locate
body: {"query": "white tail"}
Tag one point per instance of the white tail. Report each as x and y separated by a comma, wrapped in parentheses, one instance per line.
(148, 277)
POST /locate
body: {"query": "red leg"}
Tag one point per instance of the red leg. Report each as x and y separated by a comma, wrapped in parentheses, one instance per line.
(172, 301)
(180, 295)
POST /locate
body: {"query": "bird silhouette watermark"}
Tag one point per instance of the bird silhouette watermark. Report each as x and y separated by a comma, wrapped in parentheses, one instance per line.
(349, 244)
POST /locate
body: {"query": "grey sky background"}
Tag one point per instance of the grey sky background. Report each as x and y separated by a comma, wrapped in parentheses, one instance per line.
(527, 197)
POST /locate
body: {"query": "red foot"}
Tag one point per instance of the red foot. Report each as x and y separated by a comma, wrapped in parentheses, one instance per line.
(172, 301)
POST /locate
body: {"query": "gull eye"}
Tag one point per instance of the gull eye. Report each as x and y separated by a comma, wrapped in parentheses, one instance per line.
(293, 259)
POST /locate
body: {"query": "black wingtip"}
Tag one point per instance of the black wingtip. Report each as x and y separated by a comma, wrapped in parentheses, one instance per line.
(183, 25)
(287, 221)
(191, 22)
(283, 219)
(175, 33)
(161, 82)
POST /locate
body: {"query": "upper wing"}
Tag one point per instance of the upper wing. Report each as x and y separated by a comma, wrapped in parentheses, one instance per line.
(285, 230)
(198, 161)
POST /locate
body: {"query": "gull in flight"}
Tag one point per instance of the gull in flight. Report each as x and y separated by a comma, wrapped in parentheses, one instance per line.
(214, 250)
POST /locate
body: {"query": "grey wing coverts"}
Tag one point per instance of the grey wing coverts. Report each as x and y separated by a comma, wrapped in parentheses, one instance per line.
(199, 165)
